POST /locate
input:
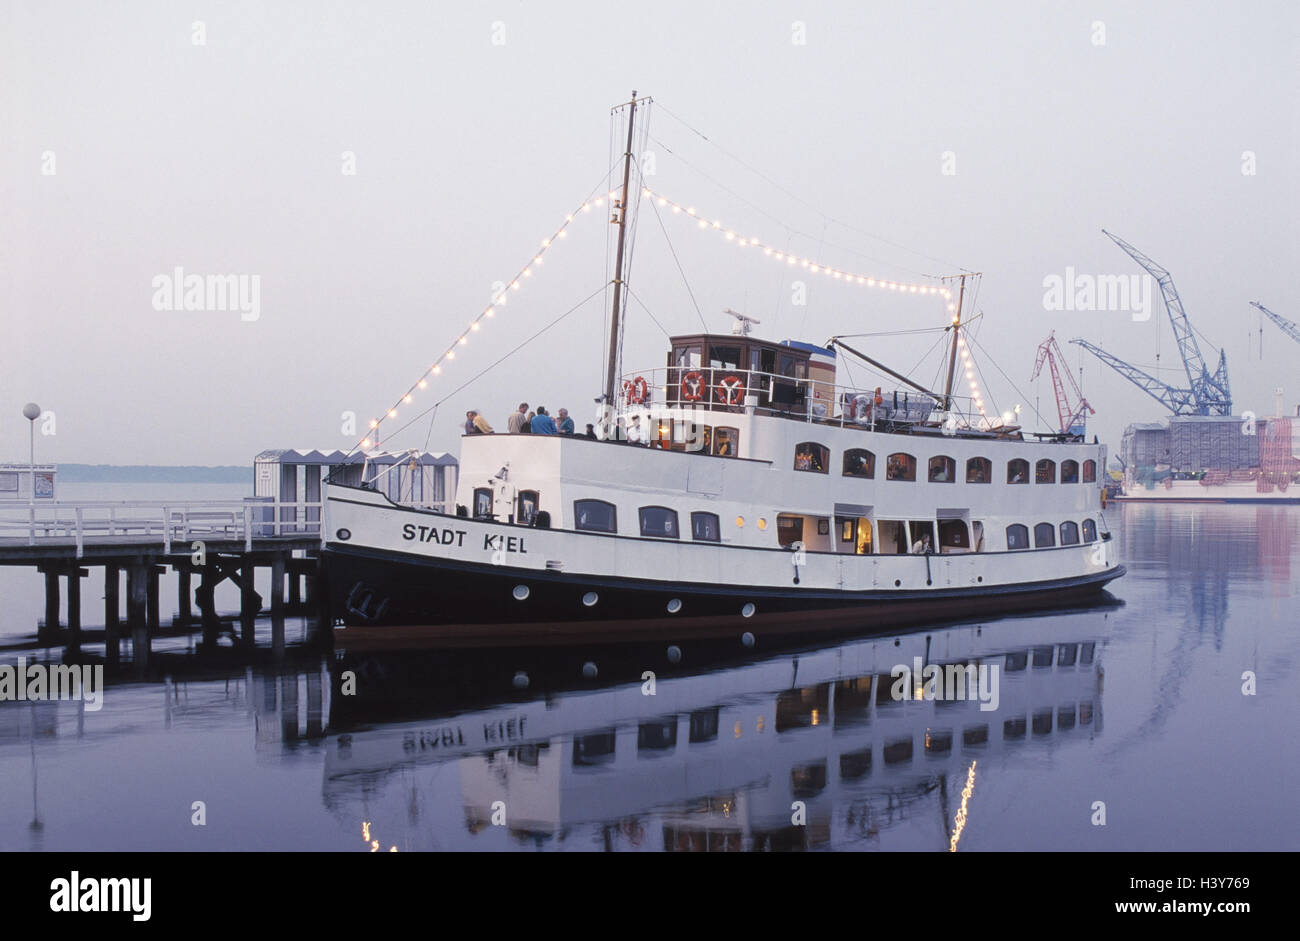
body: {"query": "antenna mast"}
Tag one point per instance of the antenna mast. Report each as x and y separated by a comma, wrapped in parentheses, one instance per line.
(611, 364)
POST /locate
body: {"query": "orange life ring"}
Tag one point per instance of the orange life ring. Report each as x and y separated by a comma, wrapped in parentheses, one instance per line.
(880, 399)
(731, 389)
(636, 390)
(692, 386)
(1103, 498)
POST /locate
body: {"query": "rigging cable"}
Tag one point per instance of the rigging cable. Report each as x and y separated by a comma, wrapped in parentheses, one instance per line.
(804, 202)
(474, 378)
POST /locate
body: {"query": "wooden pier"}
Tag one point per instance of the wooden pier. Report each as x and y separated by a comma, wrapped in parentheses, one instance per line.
(206, 542)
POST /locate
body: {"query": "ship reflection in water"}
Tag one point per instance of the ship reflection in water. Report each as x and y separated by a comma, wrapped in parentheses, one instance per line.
(805, 749)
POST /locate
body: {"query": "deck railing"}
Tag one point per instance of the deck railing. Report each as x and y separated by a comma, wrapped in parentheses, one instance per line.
(809, 399)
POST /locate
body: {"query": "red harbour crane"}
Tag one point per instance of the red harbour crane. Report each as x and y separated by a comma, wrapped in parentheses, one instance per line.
(1070, 416)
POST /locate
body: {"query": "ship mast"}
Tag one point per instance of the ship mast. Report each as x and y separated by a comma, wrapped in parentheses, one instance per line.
(611, 363)
(952, 357)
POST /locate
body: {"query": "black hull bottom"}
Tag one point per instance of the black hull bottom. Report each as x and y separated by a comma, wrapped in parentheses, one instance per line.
(380, 601)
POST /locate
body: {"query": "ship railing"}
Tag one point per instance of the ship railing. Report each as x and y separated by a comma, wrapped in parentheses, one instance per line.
(809, 399)
(166, 522)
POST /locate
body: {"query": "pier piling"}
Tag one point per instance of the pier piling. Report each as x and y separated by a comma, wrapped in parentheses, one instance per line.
(50, 629)
(137, 595)
(112, 617)
(277, 606)
(75, 575)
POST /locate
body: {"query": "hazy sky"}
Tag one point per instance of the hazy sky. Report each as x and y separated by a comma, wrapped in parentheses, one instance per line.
(475, 128)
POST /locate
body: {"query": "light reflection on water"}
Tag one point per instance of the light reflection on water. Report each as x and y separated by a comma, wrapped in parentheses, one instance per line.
(1137, 707)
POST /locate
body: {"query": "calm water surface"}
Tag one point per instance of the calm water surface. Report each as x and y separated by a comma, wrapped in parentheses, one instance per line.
(1136, 704)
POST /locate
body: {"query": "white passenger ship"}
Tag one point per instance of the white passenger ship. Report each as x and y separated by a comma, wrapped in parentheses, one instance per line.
(760, 487)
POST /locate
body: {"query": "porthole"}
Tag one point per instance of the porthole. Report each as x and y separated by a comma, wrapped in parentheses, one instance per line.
(674, 605)
(520, 592)
(762, 523)
(898, 582)
(740, 521)
(748, 610)
(344, 534)
(590, 598)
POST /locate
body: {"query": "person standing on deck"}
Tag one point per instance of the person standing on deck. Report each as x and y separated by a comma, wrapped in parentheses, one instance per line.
(566, 423)
(469, 423)
(480, 424)
(517, 419)
(543, 424)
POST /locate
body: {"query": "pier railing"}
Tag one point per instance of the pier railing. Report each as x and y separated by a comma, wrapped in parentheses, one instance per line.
(162, 521)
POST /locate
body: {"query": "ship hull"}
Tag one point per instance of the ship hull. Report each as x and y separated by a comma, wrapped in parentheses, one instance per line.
(381, 600)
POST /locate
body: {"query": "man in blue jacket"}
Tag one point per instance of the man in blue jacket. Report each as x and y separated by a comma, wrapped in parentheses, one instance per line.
(542, 423)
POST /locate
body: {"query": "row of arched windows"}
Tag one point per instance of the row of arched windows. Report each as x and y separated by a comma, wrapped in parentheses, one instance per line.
(859, 462)
(1046, 534)
(659, 522)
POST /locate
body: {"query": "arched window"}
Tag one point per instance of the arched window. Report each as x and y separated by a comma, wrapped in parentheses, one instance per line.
(1044, 536)
(1089, 472)
(859, 463)
(1069, 472)
(1017, 471)
(1069, 533)
(658, 521)
(1017, 536)
(526, 511)
(811, 456)
(704, 527)
(979, 470)
(1045, 472)
(595, 516)
(900, 466)
(943, 469)
(1089, 531)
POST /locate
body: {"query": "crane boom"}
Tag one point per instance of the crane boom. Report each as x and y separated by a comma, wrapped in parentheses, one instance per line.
(1209, 394)
(1288, 327)
(1178, 401)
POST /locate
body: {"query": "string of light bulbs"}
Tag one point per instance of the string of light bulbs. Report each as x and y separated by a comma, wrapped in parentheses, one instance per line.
(812, 265)
(514, 284)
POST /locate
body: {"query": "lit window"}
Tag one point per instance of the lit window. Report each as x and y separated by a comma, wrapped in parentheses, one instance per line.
(900, 467)
(943, 470)
(979, 470)
(859, 463)
(810, 456)
(1017, 471)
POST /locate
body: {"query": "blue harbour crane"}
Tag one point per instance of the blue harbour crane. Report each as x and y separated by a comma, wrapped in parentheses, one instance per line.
(1289, 328)
(1207, 393)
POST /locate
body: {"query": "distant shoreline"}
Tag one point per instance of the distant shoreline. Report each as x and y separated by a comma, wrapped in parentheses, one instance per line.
(153, 473)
